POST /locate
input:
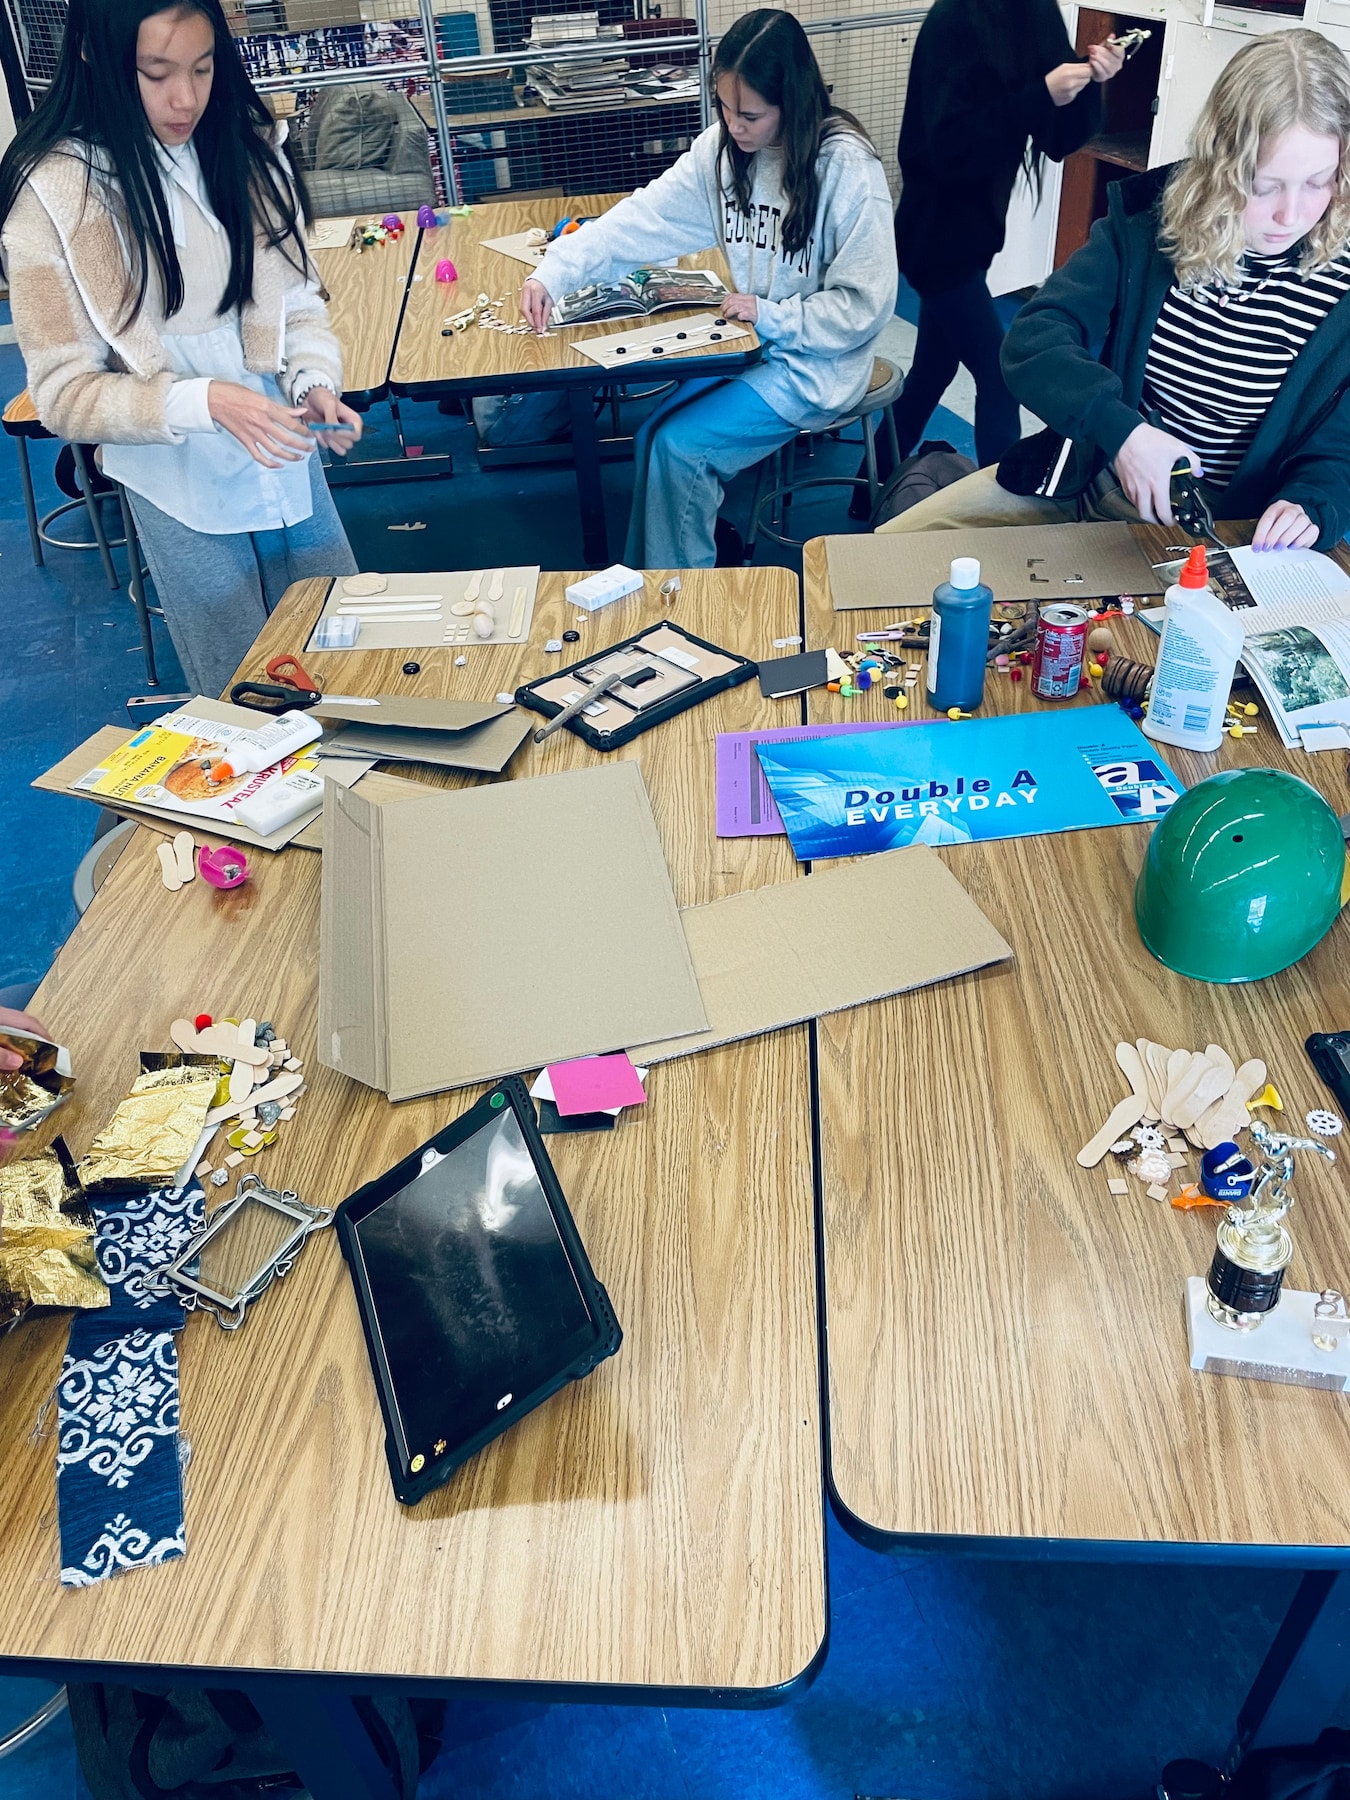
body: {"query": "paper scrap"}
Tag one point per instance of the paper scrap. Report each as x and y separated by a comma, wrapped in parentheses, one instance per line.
(595, 1084)
(542, 1089)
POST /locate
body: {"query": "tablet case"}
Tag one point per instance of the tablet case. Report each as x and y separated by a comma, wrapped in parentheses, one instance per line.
(613, 739)
(411, 1487)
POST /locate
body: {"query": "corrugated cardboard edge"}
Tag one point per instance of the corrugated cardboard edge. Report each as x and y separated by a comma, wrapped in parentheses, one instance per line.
(483, 749)
(889, 923)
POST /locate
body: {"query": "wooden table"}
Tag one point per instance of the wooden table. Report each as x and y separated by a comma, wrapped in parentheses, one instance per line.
(656, 1527)
(427, 365)
(366, 296)
(1007, 1344)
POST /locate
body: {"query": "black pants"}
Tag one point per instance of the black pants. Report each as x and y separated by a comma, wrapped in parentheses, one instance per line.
(959, 326)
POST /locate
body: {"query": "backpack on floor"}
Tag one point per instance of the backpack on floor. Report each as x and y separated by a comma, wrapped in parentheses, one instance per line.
(935, 464)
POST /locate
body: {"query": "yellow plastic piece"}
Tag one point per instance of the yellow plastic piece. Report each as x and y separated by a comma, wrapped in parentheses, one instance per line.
(1267, 1097)
(1094, 669)
(901, 702)
(954, 712)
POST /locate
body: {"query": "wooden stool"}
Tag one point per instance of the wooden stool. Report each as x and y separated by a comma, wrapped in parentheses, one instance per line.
(21, 422)
(883, 390)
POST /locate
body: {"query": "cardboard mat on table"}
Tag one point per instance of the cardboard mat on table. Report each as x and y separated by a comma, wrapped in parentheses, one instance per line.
(777, 955)
(1079, 563)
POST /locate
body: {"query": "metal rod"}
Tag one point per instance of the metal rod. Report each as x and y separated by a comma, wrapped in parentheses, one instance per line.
(432, 42)
(31, 1726)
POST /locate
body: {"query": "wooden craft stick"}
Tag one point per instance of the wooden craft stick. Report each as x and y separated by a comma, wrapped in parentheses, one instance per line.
(168, 867)
(1214, 1081)
(241, 1082)
(185, 855)
(1227, 1116)
(475, 586)
(183, 1036)
(1156, 1057)
(1127, 1113)
(223, 1040)
(495, 585)
(1131, 1065)
(517, 612)
(274, 1090)
(1177, 1064)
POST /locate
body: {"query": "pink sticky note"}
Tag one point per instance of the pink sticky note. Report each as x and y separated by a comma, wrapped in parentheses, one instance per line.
(591, 1083)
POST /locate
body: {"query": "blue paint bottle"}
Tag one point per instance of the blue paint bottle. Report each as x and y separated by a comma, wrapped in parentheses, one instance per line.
(958, 639)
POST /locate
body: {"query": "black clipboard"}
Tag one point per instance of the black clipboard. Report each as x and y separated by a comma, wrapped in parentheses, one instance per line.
(715, 669)
(476, 1295)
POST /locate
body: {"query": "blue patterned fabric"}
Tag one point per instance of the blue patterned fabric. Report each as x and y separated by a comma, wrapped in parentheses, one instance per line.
(119, 1483)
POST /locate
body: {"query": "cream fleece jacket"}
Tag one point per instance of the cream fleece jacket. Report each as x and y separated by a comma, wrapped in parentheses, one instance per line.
(96, 380)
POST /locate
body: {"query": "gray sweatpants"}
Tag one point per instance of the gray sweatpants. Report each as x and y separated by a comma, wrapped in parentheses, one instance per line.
(217, 591)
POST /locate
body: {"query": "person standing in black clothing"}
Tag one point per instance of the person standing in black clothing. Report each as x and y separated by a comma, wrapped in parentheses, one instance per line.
(994, 86)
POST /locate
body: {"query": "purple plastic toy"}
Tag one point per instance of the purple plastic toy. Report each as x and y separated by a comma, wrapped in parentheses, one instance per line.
(392, 222)
(426, 218)
(446, 271)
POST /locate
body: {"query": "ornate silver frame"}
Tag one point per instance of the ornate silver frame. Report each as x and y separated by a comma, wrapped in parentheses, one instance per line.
(229, 1310)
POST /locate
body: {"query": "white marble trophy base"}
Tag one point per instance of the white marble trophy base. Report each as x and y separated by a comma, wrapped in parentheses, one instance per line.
(1279, 1349)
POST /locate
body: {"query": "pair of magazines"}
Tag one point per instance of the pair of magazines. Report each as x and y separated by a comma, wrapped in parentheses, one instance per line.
(639, 295)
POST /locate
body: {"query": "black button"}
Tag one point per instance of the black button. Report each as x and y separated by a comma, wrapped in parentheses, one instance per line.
(682, 334)
(714, 337)
(892, 693)
(656, 349)
(412, 668)
(571, 637)
(620, 350)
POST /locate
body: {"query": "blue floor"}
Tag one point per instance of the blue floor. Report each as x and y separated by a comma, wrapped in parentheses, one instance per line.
(946, 1679)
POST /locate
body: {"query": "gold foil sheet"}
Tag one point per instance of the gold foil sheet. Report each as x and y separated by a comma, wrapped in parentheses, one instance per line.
(153, 1131)
(46, 1249)
(23, 1101)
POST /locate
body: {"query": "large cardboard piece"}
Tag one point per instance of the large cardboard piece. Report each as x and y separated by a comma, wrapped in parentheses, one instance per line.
(777, 955)
(479, 736)
(1080, 563)
(468, 934)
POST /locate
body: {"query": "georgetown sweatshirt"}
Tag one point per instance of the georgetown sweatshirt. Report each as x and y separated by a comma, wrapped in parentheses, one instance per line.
(819, 310)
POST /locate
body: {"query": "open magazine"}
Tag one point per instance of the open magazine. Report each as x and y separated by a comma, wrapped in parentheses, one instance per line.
(169, 765)
(639, 295)
(1294, 608)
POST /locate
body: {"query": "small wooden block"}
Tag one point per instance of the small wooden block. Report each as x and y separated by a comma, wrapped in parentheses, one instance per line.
(287, 1112)
(234, 1159)
(1177, 1160)
(203, 1169)
(252, 1139)
(293, 1063)
(1157, 1193)
(1116, 1186)
(1177, 1143)
(278, 1046)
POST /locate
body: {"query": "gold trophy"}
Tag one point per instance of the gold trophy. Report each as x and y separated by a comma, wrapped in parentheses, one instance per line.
(1254, 1245)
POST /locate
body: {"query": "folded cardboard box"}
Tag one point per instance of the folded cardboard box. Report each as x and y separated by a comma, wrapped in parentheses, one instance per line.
(478, 736)
(467, 934)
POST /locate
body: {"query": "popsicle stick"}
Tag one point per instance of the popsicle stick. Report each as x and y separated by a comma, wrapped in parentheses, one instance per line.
(223, 1041)
(517, 612)
(185, 855)
(1126, 1113)
(1214, 1081)
(1228, 1116)
(168, 867)
(495, 585)
(1156, 1059)
(241, 1083)
(1131, 1065)
(274, 1090)
(475, 586)
(183, 1035)
(1177, 1064)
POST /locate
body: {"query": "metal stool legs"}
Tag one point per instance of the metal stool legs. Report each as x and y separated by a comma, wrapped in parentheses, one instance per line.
(30, 511)
(136, 582)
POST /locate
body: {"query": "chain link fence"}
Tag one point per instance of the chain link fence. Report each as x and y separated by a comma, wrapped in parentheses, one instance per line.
(586, 97)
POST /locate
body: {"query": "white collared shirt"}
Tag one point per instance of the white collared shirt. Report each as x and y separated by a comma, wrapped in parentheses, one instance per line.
(206, 479)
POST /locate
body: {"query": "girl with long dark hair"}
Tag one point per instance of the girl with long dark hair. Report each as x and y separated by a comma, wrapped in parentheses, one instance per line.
(166, 308)
(788, 187)
(994, 86)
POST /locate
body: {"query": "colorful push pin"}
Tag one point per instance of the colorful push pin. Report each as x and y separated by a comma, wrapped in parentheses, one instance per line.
(201, 1021)
(1269, 1097)
(847, 690)
(426, 218)
(1001, 662)
(954, 712)
(446, 271)
(831, 687)
(1014, 674)
(901, 702)
(864, 679)
(1094, 669)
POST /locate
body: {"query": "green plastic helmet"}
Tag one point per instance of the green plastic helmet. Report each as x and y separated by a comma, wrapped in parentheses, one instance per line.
(1242, 876)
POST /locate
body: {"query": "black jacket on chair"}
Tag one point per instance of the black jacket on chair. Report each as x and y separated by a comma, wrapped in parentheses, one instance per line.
(963, 137)
(1075, 356)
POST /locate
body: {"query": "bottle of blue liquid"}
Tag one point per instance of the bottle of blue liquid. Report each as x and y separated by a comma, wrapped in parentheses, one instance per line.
(958, 638)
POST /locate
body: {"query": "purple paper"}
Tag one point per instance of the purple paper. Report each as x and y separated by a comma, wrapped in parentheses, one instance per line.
(745, 805)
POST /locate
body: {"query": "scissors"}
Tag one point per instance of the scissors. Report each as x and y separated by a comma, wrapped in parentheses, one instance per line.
(290, 688)
(1190, 509)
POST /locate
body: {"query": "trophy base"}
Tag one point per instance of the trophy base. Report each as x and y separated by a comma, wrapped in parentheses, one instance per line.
(1284, 1351)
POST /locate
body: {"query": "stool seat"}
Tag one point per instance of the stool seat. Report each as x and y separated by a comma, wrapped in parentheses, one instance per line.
(883, 390)
(20, 418)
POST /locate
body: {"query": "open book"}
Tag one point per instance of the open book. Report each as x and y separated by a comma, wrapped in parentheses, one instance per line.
(639, 295)
(1294, 608)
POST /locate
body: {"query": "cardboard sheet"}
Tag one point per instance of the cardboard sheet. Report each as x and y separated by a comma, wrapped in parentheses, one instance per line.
(517, 246)
(467, 934)
(777, 955)
(432, 623)
(62, 777)
(676, 334)
(1079, 563)
(480, 736)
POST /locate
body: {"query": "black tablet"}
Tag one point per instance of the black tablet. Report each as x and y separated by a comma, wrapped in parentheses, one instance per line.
(476, 1295)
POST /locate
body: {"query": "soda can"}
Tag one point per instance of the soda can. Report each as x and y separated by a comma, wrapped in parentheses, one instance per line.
(1061, 639)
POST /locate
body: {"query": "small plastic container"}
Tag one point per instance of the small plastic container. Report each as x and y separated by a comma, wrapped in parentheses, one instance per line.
(958, 638)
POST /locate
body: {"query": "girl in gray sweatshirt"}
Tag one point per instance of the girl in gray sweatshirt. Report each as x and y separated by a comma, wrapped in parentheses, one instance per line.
(793, 194)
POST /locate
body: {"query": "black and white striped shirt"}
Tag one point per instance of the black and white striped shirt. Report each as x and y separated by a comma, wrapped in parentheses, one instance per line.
(1218, 356)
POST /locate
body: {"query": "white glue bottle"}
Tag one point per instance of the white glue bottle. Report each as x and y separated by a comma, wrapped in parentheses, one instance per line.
(1197, 659)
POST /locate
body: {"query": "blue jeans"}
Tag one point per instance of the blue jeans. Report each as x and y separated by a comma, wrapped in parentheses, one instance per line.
(959, 326)
(706, 432)
(217, 591)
